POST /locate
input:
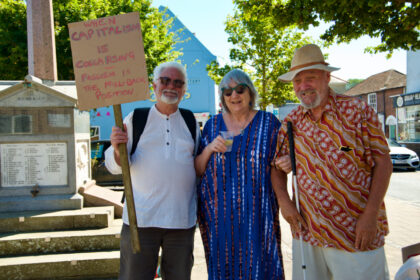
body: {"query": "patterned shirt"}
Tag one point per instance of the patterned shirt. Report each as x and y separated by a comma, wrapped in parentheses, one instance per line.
(334, 161)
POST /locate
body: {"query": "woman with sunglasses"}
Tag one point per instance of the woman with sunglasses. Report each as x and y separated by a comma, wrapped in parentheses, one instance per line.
(237, 207)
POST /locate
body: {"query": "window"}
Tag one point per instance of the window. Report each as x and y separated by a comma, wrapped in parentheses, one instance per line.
(409, 124)
(94, 131)
(372, 101)
(19, 124)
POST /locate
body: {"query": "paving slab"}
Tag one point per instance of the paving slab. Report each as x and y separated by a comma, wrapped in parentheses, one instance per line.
(404, 223)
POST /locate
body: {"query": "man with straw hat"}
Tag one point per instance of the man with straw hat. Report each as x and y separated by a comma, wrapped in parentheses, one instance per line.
(343, 171)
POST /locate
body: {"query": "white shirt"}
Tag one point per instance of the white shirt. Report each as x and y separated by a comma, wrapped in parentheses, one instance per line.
(162, 172)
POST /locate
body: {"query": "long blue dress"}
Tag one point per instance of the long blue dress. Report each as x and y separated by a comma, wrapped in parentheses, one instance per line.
(237, 208)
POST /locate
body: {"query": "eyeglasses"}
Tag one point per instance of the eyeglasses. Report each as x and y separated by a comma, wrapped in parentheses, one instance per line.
(239, 90)
(176, 83)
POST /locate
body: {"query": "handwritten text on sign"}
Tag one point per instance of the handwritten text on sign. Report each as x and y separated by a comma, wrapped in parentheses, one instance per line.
(108, 60)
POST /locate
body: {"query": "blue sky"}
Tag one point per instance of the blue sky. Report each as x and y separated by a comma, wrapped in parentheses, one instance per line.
(206, 19)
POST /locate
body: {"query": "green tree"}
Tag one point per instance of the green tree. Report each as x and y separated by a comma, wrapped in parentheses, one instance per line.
(13, 42)
(396, 23)
(262, 51)
(158, 41)
(352, 82)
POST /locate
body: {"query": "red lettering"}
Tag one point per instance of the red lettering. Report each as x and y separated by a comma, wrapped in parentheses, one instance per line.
(79, 36)
(100, 22)
(110, 94)
(97, 76)
(89, 63)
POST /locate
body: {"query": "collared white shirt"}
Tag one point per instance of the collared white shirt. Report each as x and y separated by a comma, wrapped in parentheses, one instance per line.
(162, 172)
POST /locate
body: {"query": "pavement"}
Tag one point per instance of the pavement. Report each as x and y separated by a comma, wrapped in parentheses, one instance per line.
(404, 225)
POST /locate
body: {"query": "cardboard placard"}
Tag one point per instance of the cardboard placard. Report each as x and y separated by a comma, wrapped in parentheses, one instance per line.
(410, 251)
(108, 61)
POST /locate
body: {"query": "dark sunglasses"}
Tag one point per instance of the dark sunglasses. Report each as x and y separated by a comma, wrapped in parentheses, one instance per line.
(239, 90)
(176, 83)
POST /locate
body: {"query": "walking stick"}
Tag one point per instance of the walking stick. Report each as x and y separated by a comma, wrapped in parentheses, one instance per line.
(293, 159)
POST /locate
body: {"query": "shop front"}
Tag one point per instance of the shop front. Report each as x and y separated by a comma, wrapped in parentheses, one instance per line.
(408, 120)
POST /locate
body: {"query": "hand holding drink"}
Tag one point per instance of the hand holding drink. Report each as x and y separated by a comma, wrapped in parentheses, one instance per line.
(228, 137)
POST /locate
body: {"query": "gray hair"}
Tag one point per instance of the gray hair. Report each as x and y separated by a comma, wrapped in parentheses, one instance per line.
(239, 77)
(170, 64)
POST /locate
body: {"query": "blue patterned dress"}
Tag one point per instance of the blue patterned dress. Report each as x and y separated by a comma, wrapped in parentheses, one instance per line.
(237, 208)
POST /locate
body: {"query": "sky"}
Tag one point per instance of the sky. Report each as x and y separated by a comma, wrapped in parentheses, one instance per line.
(206, 19)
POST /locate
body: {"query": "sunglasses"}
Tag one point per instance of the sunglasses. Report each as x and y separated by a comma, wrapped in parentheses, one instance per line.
(176, 83)
(239, 90)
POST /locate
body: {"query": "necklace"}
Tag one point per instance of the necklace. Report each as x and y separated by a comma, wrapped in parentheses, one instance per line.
(244, 124)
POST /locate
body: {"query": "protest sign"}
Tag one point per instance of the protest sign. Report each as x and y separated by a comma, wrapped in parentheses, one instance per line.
(108, 61)
(110, 69)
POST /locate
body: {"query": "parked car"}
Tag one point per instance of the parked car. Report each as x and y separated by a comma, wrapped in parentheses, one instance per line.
(402, 158)
(99, 172)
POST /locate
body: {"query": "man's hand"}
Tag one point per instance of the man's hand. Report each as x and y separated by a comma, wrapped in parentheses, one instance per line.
(284, 163)
(292, 216)
(117, 137)
(365, 230)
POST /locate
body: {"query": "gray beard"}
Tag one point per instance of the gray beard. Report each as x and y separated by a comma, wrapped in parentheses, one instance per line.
(168, 100)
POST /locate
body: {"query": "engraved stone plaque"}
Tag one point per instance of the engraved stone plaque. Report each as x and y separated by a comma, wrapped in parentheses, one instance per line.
(27, 164)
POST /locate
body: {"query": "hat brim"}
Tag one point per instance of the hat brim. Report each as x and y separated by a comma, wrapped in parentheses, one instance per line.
(288, 77)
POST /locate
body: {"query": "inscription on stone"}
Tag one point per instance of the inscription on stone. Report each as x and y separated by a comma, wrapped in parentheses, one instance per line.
(27, 164)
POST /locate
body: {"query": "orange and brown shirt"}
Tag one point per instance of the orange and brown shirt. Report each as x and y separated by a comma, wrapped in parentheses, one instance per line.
(334, 162)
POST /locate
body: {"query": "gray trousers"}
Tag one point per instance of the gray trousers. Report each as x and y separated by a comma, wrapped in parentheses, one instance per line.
(177, 254)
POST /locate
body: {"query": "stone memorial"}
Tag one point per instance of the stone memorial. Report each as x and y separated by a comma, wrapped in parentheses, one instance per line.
(44, 148)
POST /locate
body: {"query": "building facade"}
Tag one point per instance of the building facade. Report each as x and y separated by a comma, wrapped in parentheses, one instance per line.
(378, 91)
(408, 105)
(200, 95)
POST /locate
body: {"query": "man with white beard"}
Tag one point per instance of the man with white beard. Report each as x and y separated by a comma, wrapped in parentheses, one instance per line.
(163, 179)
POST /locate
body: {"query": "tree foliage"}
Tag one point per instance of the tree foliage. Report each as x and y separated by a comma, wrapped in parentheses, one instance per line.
(13, 42)
(158, 42)
(396, 23)
(352, 82)
(263, 51)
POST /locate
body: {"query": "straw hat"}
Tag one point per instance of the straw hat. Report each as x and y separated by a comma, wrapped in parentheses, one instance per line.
(305, 58)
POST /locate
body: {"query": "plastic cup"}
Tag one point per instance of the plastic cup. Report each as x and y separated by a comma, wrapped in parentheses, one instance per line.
(228, 136)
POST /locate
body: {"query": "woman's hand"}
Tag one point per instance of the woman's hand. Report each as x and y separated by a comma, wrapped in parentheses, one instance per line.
(217, 145)
(284, 163)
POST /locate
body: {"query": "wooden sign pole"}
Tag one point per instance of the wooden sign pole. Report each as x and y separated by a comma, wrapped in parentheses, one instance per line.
(127, 184)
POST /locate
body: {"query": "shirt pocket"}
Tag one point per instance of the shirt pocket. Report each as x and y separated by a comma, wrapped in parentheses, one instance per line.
(184, 151)
(342, 162)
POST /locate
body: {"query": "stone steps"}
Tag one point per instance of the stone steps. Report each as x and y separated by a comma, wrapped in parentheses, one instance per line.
(91, 217)
(29, 243)
(71, 244)
(85, 265)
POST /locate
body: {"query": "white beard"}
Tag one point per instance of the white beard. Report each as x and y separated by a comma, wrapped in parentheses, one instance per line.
(313, 104)
(169, 100)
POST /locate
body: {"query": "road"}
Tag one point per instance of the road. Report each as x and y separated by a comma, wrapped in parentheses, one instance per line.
(405, 186)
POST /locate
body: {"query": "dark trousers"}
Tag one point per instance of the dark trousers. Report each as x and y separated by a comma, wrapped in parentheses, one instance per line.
(177, 254)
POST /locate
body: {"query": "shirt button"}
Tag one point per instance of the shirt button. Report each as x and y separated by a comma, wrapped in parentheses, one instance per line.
(167, 130)
(167, 143)
(167, 119)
